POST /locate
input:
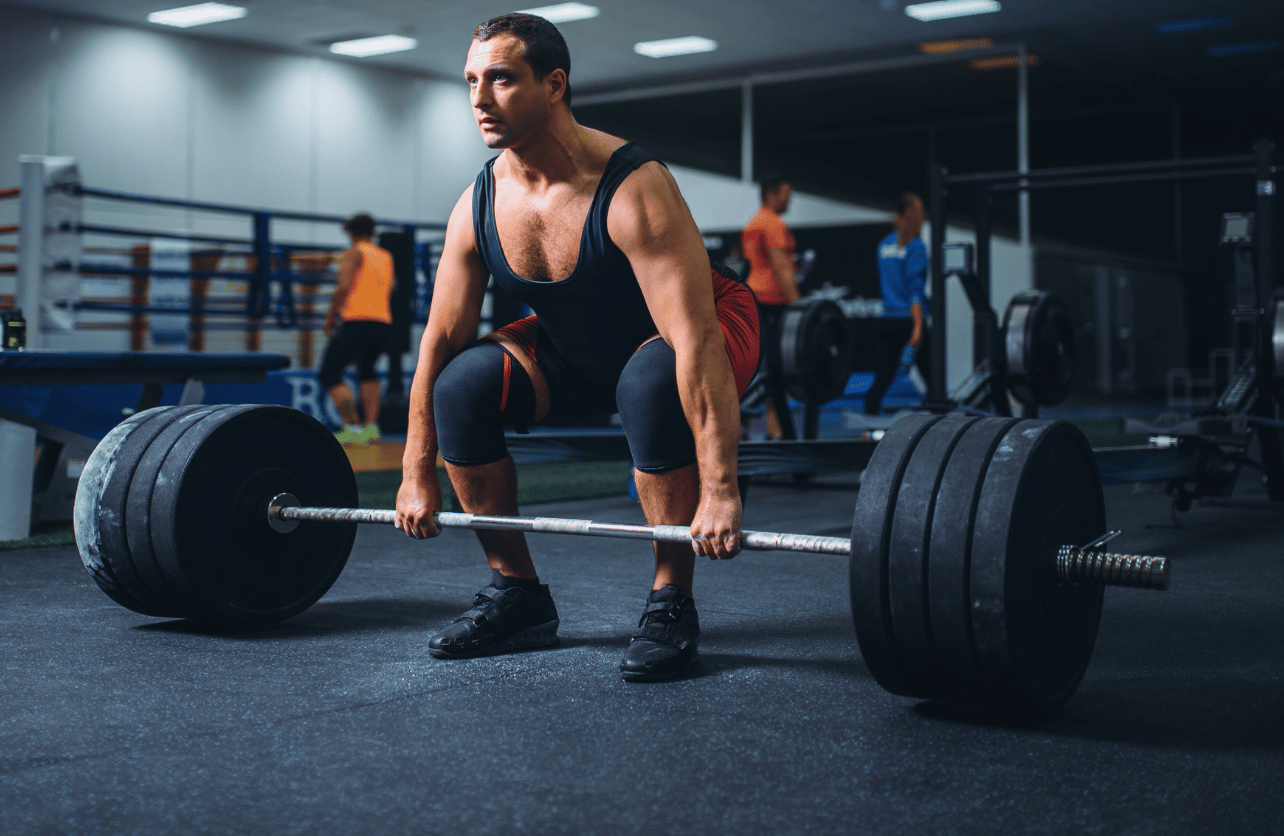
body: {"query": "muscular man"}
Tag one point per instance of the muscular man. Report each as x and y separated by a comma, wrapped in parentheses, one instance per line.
(773, 276)
(902, 274)
(591, 232)
(360, 299)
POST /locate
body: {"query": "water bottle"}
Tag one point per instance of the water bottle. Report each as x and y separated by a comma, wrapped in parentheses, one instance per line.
(13, 330)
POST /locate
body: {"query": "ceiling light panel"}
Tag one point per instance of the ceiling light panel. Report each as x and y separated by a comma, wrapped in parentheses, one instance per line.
(939, 47)
(675, 46)
(563, 12)
(198, 15)
(943, 9)
(381, 45)
(1232, 50)
(1194, 24)
(998, 62)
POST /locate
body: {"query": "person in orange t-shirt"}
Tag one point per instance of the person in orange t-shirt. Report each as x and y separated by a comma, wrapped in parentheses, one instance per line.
(360, 300)
(773, 277)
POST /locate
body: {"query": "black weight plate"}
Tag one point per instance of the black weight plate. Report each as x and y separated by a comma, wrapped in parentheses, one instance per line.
(1039, 348)
(816, 350)
(1032, 635)
(209, 524)
(871, 536)
(138, 503)
(910, 553)
(99, 514)
(957, 675)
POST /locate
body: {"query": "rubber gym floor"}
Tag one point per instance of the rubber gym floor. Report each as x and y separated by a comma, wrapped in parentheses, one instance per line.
(338, 721)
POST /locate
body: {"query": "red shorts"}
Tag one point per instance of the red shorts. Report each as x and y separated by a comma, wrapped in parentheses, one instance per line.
(737, 315)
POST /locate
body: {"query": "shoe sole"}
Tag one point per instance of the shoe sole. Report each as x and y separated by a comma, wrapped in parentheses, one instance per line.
(644, 676)
(542, 635)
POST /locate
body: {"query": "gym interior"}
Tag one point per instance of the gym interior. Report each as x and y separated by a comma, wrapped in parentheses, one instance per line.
(1030, 591)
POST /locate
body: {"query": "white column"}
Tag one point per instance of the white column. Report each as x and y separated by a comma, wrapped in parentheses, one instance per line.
(17, 469)
(746, 132)
(31, 246)
(1023, 142)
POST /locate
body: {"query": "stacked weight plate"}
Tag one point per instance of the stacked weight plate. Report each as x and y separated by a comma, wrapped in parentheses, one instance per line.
(816, 350)
(170, 513)
(1038, 335)
(954, 543)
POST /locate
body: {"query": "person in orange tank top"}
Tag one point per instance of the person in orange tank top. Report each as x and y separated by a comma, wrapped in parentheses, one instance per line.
(773, 277)
(357, 326)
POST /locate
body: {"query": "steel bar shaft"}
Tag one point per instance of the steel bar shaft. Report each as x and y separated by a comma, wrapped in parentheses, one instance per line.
(1074, 564)
(751, 540)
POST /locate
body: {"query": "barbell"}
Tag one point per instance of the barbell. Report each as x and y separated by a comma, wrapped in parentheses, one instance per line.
(975, 563)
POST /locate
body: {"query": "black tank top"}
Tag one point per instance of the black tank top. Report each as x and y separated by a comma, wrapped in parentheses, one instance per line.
(596, 317)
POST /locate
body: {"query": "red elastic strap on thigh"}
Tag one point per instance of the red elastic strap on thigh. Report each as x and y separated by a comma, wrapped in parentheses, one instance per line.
(508, 377)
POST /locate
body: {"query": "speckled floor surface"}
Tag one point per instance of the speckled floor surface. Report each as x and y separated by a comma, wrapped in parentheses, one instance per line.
(339, 722)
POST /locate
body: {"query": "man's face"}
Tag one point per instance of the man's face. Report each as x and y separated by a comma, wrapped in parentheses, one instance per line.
(508, 103)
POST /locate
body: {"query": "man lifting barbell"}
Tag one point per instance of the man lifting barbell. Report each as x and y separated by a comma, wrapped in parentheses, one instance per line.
(630, 317)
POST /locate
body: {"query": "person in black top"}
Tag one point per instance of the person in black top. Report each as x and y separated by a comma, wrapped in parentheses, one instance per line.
(592, 233)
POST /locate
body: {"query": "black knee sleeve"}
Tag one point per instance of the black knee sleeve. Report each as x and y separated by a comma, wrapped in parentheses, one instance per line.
(651, 410)
(477, 393)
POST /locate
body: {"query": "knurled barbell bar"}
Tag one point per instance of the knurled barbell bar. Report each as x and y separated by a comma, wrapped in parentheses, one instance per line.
(963, 580)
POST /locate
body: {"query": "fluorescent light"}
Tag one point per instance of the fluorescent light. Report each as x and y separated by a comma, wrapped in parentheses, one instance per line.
(1194, 24)
(380, 45)
(1231, 50)
(197, 15)
(563, 12)
(675, 46)
(943, 9)
(935, 47)
(998, 62)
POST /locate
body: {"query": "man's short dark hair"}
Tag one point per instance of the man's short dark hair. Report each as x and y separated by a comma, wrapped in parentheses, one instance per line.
(905, 200)
(769, 184)
(360, 225)
(544, 47)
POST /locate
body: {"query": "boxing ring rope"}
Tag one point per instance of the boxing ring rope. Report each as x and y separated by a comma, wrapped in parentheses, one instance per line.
(266, 282)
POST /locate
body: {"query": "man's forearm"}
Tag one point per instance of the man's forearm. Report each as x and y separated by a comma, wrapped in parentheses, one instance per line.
(707, 388)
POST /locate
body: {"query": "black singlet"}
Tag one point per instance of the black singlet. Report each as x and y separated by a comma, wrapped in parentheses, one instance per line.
(596, 317)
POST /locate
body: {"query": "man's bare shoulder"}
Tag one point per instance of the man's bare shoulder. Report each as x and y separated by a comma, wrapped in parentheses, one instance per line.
(649, 197)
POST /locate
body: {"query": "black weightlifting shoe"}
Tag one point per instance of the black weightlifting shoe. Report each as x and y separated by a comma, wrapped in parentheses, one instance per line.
(501, 620)
(666, 639)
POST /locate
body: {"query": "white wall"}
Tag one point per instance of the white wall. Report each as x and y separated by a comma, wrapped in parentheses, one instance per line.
(185, 117)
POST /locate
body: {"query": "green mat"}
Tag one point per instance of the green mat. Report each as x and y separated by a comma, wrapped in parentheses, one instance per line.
(535, 483)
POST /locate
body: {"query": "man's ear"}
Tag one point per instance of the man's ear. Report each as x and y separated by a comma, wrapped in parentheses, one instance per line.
(557, 84)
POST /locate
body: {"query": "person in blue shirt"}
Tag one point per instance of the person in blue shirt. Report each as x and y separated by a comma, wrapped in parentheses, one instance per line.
(902, 274)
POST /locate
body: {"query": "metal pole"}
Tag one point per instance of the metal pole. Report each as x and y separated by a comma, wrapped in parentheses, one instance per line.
(1023, 142)
(1178, 249)
(982, 315)
(31, 245)
(746, 132)
(1265, 222)
(936, 196)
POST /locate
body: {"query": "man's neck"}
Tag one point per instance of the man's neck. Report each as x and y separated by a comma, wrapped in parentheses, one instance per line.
(555, 154)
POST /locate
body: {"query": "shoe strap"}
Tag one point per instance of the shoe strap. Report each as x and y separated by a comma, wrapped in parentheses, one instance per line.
(673, 609)
(656, 633)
